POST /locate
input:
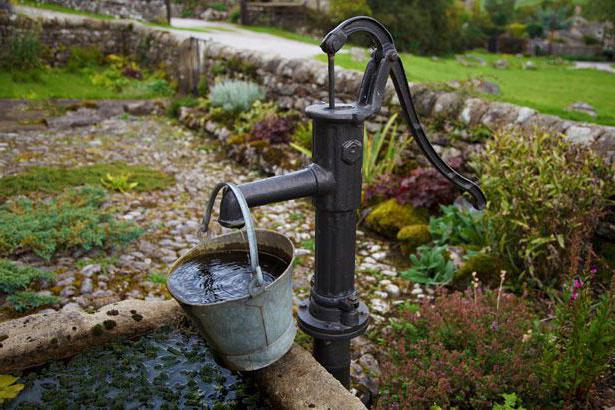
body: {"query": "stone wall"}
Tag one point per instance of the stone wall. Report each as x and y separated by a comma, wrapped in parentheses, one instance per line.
(148, 10)
(293, 83)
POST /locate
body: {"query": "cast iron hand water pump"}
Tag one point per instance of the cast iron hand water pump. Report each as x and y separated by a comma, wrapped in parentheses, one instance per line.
(334, 314)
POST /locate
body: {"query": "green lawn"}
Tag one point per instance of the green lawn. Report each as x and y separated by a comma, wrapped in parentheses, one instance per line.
(550, 89)
(59, 83)
(60, 9)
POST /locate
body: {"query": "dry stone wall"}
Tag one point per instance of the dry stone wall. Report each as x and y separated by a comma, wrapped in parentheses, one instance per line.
(148, 10)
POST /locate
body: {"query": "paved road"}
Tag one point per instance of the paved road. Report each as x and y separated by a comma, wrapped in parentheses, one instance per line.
(222, 33)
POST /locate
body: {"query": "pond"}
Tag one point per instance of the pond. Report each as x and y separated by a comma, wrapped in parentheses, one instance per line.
(170, 368)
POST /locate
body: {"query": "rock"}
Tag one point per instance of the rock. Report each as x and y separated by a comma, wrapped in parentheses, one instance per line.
(501, 64)
(90, 270)
(214, 15)
(486, 87)
(86, 286)
(379, 306)
(413, 236)
(357, 54)
(388, 217)
(145, 107)
(389, 273)
(369, 363)
(68, 291)
(583, 107)
(529, 65)
(477, 59)
(583, 135)
(392, 290)
(381, 294)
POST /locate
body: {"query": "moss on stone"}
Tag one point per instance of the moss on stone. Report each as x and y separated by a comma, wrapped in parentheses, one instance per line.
(55, 179)
(487, 267)
(413, 236)
(389, 217)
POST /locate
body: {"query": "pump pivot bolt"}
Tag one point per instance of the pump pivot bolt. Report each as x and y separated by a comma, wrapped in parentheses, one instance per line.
(351, 151)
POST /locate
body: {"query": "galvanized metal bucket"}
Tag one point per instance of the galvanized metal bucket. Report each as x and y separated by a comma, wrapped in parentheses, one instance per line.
(250, 332)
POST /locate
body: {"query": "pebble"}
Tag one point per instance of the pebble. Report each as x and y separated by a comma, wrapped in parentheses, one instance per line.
(379, 256)
(392, 290)
(89, 270)
(379, 306)
(388, 272)
(87, 286)
(68, 291)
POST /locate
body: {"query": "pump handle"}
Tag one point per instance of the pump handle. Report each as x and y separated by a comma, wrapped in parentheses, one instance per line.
(385, 61)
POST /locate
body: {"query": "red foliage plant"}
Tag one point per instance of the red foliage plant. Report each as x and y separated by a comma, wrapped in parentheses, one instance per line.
(423, 187)
(273, 129)
(463, 351)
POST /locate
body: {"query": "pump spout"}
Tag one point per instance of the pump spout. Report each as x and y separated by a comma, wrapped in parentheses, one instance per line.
(310, 181)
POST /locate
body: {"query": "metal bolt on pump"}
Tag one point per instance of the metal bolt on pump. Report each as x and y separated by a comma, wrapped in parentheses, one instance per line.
(333, 314)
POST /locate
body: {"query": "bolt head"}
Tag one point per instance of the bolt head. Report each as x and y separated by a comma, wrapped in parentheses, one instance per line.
(351, 151)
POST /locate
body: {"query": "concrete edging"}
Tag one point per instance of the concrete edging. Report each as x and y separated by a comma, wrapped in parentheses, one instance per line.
(294, 382)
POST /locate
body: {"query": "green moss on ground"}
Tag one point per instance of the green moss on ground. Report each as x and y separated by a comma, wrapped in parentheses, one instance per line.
(73, 219)
(389, 217)
(487, 267)
(14, 277)
(53, 179)
(413, 236)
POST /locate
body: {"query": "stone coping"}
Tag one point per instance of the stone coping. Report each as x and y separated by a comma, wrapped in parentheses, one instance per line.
(294, 382)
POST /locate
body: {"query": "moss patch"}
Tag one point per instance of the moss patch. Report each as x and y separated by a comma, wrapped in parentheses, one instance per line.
(413, 236)
(390, 216)
(74, 219)
(487, 268)
(50, 179)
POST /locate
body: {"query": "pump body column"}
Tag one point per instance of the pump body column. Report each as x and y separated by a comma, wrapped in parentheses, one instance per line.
(333, 314)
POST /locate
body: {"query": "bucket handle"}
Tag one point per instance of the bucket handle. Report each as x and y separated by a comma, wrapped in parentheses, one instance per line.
(256, 285)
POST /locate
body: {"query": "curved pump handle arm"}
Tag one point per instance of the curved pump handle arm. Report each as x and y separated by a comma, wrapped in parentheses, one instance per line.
(385, 61)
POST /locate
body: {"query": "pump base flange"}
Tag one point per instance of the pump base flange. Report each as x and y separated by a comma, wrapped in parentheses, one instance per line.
(331, 330)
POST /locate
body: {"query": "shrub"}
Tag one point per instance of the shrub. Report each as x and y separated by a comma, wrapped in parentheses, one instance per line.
(389, 217)
(464, 351)
(84, 57)
(273, 129)
(235, 96)
(579, 344)
(487, 268)
(544, 193)
(53, 179)
(74, 219)
(23, 52)
(343, 9)
(423, 188)
(26, 301)
(14, 277)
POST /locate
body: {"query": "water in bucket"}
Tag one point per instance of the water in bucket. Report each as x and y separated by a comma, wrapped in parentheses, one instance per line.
(222, 276)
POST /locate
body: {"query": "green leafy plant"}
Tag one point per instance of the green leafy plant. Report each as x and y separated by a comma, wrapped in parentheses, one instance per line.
(25, 301)
(381, 151)
(511, 402)
(302, 138)
(544, 193)
(177, 103)
(458, 227)
(579, 343)
(14, 277)
(431, 266)
(8, 388)
(235, 96)
(73, 219)
(119, 182)
(84, 57)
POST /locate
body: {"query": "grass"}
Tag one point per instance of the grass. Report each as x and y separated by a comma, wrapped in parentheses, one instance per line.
(60, 83)
(278, 32)
(60, 9)
(550, 89)
(50, 179)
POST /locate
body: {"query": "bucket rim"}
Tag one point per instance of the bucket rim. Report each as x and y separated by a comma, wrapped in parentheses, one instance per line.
(179, 261)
